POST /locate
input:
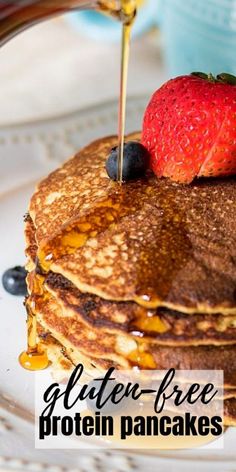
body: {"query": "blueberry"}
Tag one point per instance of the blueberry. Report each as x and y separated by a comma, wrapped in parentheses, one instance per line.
(14, 281)
(135, 161)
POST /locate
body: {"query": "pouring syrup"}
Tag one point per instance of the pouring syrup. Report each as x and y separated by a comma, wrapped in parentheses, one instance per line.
(16, 16)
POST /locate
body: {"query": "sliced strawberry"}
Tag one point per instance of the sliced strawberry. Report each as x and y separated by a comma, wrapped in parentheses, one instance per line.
(189, 129)
(221, 160)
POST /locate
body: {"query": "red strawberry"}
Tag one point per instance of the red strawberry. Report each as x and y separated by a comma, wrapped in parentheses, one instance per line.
(189, 127)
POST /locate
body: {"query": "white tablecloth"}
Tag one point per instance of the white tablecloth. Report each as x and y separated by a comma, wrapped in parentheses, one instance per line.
(52, 69)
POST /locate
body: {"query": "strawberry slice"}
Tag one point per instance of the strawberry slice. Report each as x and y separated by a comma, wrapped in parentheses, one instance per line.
(189, 128)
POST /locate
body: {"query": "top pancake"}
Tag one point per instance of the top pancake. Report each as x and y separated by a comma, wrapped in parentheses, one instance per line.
(151, 240)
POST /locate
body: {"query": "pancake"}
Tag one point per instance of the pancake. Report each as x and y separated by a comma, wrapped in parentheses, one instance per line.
(63, 365)
(150, 241)
(30, 243)
(230, 412)
(64, 360)
(125, 351)
(162, 326)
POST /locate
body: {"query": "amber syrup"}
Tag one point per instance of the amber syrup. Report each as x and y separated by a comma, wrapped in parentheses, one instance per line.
(129, 12)
(35, 358)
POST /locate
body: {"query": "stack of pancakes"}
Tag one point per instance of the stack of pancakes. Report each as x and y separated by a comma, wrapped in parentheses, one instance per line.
(139, 275)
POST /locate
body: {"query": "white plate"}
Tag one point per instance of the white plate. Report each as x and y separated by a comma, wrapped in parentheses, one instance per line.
(27, 152)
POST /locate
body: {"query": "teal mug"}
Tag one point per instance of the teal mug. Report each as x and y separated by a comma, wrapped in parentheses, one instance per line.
(198, 35)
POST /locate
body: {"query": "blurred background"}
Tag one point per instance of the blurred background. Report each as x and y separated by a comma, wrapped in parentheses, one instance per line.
(73, 61)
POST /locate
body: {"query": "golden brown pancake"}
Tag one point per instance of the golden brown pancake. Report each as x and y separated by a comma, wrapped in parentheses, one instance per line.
(62, 363)
(151, 241)
(161, 325)
(124, 350)
(30, 242)
(230, 412)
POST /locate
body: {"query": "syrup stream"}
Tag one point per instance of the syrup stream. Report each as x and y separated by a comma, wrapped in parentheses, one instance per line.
(129, 11)
(35, 358)
(126, 30)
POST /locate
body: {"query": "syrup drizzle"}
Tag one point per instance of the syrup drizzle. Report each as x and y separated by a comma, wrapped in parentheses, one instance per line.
(35, 358)
(129, 11)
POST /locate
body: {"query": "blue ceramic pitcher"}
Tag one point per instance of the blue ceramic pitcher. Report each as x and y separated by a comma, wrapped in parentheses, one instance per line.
(199, 35)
